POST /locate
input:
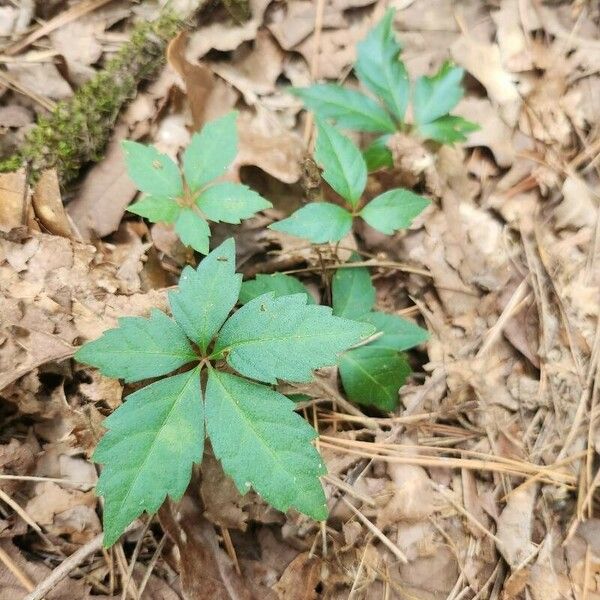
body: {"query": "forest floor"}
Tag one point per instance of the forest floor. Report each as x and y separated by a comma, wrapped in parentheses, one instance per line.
(484, 483)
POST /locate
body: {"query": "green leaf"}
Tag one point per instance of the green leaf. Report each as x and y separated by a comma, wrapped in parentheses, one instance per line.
(398, 333)
(353, 293)
(373, 376)
(447, 129)
(211, 151)
(378, 66)
(139, 348)
(284, 338)
(263, 443)
(278, 283)
(152, 172)
(317, 222)
(377, 155)
(155, 209)
(436, 96)
(193, 230)
(350, 109)
(344, 168)
(207, 294)
(393, 210)
(148, 451)
(230, 202)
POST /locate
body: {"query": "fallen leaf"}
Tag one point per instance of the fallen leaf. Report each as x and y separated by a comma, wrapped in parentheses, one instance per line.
(515, 525)
(105, 193)
(13, 199)
(48, 205)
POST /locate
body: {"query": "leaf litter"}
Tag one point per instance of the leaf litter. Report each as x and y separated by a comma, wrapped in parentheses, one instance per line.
(484, 479)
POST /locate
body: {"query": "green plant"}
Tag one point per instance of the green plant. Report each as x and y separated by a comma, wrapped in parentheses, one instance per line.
(380, 70)
(373, 373)
(154, 438)
(190, 202)
(345, 170)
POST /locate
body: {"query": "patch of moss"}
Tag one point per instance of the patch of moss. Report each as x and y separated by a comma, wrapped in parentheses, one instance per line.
(76, 131)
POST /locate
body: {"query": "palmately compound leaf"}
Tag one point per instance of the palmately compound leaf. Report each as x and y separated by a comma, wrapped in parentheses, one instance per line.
(152, 172)
(348, 108)
(394, 209)
(155, 209)
(211, 151)
(378, 66)
(262, 443)
(317, 222)
(139, 348)
(353, 294)
(372, 376)
(377, 155)
(343, 165)
(278, 283)
(448, 129)
(206, 295)
(436, 96)
(285, 338)
(148, 451)
(230, 202)
(192, 230)
(397, 333)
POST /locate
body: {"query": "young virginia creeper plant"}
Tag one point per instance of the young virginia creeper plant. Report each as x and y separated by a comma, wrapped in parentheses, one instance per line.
(345, 170)
(373, 373)
(196, 198)
(221, 370)
(380, 70)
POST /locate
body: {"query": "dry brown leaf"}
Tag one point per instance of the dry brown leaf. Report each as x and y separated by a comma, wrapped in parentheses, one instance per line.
(223, 504)
(256, 72)
(579, 206)
(515, 525)
(206, 571)
(197, 79)
(225, 36)
(36, 572)
(56, 294)
(300, 579)
(105, 193)
(42, 79)
(484, 62)
(48, 206)
(13, 199)
(267, 144)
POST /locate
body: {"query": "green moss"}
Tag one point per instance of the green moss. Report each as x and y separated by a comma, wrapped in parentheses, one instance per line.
(76, 131)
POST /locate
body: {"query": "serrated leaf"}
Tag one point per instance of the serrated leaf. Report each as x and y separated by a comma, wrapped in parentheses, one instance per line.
(317, 222)
(284, 338)
(350, 109)
(378, 66)
(193, 230)
(152, 172)
(436, 96)
(230, 202)
(393, 210)
(139, 348)
(344, 168)
(206, 295)
(261, 442)
(372, 376)
(353, 294)
(398, 333)
(155, 209)
(211, 151)
(278, 283)
(447, 129)
(148, 451)
(377, 155)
